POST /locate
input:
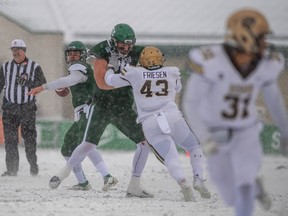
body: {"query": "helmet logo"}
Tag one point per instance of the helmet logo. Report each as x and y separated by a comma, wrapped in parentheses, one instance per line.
(248, 22)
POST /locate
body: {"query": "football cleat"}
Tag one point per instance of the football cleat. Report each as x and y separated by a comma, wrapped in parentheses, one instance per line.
(187, 192)
(54, 182)
(9, 173)
(34, 170)
(199, 185)
(139, 193)
(82, 186)
(263, 197)
(109, 181)
(135, 189)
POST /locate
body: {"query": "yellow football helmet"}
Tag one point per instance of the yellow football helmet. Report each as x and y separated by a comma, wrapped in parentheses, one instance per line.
(245, 27)
(151, 58)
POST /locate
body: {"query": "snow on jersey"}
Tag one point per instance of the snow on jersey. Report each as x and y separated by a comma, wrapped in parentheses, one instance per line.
(153, 90)
(232, 103)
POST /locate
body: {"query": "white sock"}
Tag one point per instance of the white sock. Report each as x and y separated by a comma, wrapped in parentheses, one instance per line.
(80, 152)
(64, 172)
(78, 172)
(197, 162)
(98, 162)
(140, 158)
(172, 163)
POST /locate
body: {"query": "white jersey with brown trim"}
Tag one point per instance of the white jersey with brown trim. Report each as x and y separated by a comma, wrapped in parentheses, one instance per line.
(231, 101)
(153, 90)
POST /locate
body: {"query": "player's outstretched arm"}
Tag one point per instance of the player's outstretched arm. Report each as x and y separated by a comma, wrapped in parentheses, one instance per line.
(100, 67)
(35, 91)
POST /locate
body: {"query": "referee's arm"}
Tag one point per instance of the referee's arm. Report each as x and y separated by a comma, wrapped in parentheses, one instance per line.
(2, 80)
(39, 79)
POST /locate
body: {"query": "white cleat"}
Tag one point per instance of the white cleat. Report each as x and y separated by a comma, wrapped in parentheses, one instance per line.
(187, 192)
(199, 185)
(263, 197)
(141, 193)
(82, 186)
(135, 189)
(109, 182)
(54, 182)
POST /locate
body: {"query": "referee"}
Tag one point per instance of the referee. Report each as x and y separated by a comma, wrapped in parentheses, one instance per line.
(17, 77)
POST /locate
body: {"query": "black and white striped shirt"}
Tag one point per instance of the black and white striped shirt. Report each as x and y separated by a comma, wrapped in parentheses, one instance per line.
(13, 91)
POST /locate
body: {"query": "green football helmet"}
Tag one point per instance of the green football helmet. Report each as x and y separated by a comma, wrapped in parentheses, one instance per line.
(123, 33)
(77, 46)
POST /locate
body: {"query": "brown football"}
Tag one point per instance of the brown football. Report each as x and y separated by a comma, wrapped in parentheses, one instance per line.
(62, 92)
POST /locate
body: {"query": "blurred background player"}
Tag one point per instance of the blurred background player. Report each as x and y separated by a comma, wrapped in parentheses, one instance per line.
(154, 89)
(220, 103)
(17, 77)
(116, 106)
(82, 85)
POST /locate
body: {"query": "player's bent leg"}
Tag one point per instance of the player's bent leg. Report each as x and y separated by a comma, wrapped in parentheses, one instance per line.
(197, 164)
(140, 158)
(83, 183)
(76, 158)
(57, 179)
(97, 160)
(139, 162)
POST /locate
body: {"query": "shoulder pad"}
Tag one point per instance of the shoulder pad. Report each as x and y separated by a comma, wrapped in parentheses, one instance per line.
(78, 67)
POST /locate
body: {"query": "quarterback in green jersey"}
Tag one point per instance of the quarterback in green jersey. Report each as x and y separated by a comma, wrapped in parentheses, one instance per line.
(82, 87)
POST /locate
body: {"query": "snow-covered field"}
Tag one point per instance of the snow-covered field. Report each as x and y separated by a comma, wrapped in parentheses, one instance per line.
(28, 196)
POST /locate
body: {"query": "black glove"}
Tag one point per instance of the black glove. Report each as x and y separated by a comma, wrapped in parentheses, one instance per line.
(21, 80)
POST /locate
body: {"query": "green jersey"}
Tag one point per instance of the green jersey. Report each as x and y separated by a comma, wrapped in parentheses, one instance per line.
(121, 96)
(82, 92)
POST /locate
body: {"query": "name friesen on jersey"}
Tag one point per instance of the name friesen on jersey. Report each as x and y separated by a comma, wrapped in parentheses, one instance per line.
(154, 74)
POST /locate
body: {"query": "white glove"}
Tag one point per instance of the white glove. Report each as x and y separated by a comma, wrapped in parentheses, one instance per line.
(209, 147)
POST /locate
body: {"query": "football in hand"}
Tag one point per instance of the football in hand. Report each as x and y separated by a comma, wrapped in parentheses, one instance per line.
(62, 92)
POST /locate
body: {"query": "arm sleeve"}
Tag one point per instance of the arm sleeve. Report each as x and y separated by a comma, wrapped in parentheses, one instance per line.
(178, 85)
(72, 79)
(115, 80)
(196, 89)
(276, 106)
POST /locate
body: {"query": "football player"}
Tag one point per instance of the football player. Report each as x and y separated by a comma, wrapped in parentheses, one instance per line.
(154, 89)
(220, 104)
(116, 107)
(82, 85)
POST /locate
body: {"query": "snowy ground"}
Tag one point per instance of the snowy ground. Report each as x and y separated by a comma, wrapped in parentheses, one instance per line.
(28, 196)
